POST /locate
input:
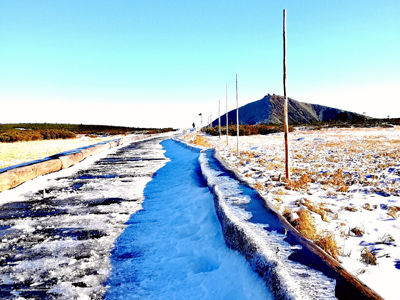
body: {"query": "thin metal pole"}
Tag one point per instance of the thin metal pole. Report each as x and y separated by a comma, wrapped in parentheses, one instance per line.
(219, 118)
(227, 132)
(285, 110)
(237, 116)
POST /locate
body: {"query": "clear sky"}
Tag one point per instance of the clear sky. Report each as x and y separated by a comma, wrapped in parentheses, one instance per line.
(160, 63)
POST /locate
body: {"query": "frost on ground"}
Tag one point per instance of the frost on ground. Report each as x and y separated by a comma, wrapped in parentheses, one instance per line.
(174, 247)
(348, 179)
(257, 234)
(57, 231)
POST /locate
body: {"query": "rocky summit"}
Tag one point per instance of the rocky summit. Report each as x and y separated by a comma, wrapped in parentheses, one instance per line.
(269, 110)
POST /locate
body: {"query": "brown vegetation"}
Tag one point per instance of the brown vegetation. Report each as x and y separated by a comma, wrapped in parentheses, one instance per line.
(201, 141)
(306, 227)
(392, 211)
(368, 257)
(327, 242)
(247, 129)
(33, 132)
(35, 135)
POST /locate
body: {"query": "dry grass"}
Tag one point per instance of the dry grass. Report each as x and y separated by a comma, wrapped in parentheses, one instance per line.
(351, 208)
(259, 186)
(302, 183)
(367, 206)
(21, 152)
(331, 165)
(304, 223)
(318, 209)
(368, 257)
(330, 161)
(306, 227)
(327, 242)
(201, 141)
(357, 231)
(392, 211)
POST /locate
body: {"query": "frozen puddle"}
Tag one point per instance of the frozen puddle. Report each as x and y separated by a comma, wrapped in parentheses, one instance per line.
(174, 247)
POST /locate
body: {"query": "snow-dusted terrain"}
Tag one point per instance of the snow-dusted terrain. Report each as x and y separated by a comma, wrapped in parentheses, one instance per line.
(254, 231)
(174, 247)
(60, 234)
(57, 231)
(350, 181)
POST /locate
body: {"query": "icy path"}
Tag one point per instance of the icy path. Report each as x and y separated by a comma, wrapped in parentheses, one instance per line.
(57, 231)
(174, 247)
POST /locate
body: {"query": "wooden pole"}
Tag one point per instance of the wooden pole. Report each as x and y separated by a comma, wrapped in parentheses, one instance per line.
(219, 118)
(285, 110)
(227, 132)
(237, 116)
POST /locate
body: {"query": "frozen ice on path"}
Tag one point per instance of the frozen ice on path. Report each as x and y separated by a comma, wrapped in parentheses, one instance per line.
(174, 247)
(57, 231)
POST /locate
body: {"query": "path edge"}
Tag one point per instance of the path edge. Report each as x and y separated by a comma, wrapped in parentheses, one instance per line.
(347, 285)
(15, 176)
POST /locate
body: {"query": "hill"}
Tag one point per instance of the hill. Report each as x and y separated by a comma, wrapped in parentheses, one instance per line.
(269, 110)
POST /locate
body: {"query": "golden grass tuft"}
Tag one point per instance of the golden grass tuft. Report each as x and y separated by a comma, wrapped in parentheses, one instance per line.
(286, 212)
(392, 211)
(259, 186)
(367, 206)
(301, 184)
(327, 242)
(306, 227)
(351, 208)
(368, 257)
(317, 209)
(201, 141)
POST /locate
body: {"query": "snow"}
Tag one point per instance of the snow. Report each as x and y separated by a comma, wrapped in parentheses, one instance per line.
(288, 278)
(353, 174)
(60, 234)
(174, 247)
(57, 231)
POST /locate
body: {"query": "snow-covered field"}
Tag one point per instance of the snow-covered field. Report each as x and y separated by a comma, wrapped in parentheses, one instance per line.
(349, 179)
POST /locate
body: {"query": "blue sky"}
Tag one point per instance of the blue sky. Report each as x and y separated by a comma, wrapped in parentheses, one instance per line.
(161, 63)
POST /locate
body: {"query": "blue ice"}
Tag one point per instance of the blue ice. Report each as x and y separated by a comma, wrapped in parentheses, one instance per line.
(174, 247)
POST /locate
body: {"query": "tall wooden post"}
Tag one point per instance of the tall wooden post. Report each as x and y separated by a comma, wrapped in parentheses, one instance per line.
(237, 116)
(227, 129)
(285, 110)
(219, 118)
